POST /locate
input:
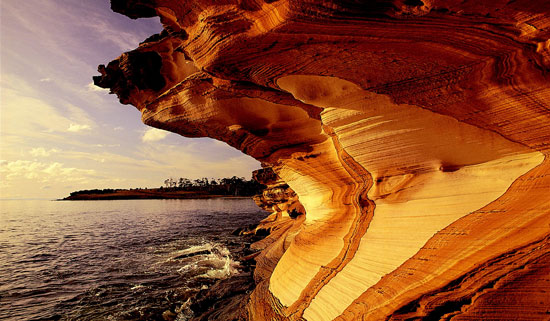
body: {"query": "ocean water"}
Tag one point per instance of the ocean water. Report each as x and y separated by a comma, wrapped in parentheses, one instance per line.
(115, 260)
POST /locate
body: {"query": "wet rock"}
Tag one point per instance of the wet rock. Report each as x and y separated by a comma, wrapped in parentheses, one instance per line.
(225, 300)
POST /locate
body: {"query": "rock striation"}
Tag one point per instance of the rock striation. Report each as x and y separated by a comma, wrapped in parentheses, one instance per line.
(415, 135)
(277, 197)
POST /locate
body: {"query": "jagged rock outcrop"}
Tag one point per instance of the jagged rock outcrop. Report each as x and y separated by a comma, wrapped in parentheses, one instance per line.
(416, 135)
(277, 197)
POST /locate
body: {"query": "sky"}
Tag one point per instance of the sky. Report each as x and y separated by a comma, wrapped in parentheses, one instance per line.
(59, 133)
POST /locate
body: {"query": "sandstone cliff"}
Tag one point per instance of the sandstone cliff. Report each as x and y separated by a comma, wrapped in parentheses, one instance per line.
(415, 134)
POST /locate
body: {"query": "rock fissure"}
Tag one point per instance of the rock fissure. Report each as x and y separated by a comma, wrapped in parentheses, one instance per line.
(364, 210)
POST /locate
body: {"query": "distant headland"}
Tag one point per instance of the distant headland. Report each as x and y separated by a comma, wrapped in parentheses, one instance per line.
(181, 188)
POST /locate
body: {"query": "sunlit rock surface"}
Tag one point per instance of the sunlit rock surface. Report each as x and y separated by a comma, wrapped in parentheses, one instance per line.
(414, 134)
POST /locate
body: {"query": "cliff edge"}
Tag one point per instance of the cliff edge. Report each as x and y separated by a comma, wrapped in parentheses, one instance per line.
(414, 135)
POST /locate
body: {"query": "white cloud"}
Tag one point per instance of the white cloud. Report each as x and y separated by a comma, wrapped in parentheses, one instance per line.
(31, 116)
(42, 152)
(43, 172)
(94, 88)
(126, 41)
(153, 135)
(189, 161)
(45, 79)
(106, 145)
(75, 128)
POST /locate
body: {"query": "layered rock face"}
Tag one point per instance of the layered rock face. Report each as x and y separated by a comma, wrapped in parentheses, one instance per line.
(415, 134)
(277, 197)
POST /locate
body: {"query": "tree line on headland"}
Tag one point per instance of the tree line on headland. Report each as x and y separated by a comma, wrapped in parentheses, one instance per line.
(234, 186)
(178, 188)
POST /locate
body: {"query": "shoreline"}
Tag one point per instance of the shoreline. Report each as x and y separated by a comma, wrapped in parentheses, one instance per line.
(124, 194)
(165, 198)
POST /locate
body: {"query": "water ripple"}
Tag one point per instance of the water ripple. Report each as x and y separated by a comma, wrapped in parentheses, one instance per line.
(113, 260)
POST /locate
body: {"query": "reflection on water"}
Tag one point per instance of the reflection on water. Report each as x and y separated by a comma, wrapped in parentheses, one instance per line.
(115, 260)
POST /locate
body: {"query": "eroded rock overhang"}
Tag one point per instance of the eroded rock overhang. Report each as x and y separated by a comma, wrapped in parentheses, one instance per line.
(414, 133)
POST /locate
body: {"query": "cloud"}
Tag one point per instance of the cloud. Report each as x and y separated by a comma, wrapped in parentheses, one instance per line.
(29, 116)
(42, 152)
(91, 87)
(124, 40)
(106, 145)
(43, 172)
(32, 116)
(196, 160)
(75, 128)
(153, 135)
(45, 79)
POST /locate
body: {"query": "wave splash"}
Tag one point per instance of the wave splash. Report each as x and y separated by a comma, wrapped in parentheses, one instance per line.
(210, 260)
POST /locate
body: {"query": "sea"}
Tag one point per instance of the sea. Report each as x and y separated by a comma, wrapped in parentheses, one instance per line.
(116, 260)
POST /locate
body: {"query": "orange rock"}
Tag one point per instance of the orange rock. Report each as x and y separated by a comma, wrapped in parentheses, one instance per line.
(414, 135)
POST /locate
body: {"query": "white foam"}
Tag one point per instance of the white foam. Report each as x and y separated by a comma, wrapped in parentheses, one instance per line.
(217, 264)
(194, 248)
